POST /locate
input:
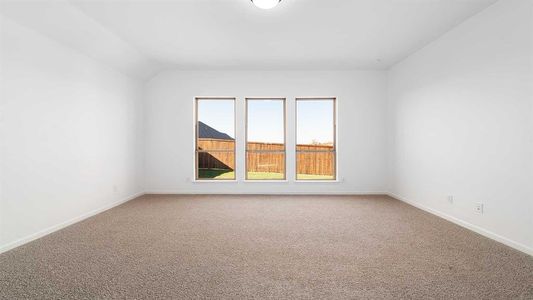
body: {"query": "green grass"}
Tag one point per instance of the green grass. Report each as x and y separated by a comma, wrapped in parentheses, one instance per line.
(313, 177)
(229, 174)
(265, 176)
(216, 174)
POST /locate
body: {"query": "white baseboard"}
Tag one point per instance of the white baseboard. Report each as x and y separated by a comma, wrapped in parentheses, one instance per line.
(513, 244)
(62, 225)
(324, 192)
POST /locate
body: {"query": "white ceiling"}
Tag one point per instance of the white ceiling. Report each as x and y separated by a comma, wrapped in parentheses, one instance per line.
(143, 37)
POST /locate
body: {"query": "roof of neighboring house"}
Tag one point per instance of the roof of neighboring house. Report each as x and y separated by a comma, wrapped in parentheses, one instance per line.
(207, 132)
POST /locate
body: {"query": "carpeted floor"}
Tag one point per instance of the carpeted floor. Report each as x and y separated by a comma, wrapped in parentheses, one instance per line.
(278, 247)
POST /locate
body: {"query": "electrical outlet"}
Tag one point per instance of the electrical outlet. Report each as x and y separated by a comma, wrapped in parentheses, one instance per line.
(478, 208)
(115, 189)
(450, 199)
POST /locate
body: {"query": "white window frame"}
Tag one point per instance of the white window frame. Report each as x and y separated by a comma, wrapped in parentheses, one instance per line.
(195, 144)
(335, 139)
(284, 179)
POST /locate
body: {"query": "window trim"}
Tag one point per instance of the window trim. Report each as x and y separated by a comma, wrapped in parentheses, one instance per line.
(335, 146)
(196, 151)
(284, 179)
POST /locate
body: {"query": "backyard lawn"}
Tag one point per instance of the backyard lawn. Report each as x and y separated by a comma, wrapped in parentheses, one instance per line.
(215, 173)
(313, 177)
(227, 174)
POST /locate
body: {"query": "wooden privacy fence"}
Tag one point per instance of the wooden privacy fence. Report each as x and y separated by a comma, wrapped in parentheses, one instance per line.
(315, 159)
(311, 159)
(260, 159)
(216, 160)
(219, 154)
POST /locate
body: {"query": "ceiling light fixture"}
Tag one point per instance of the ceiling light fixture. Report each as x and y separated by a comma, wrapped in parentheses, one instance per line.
(265, 4)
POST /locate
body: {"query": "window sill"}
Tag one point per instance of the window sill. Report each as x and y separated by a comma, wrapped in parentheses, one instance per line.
(264, 181)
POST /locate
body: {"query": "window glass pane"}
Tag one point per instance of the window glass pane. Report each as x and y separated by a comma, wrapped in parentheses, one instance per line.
(265, 139)
(315, 122)
(315, 165)
(265, 165)
(215, 134)
(216, 164)
(216, 124)
(315, 139)
(266, 124)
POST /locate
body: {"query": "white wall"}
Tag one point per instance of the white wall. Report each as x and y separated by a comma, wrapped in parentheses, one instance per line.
(462, 123)
(361, 127)
(69, 132)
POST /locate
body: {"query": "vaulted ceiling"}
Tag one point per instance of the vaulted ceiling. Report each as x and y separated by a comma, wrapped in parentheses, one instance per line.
(143, 37)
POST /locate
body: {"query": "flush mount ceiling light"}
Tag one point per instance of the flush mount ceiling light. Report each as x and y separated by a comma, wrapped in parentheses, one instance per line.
(266, 4)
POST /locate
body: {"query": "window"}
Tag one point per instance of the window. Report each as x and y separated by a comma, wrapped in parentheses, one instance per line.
(315, 139)
(215, 138)
(265, 139)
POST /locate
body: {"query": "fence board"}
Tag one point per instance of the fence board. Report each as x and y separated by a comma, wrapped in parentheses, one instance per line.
(319, 163)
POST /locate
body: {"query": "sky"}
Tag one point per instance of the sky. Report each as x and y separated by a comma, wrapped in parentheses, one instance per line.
(314, 120)
(219, 114)
(265, 119)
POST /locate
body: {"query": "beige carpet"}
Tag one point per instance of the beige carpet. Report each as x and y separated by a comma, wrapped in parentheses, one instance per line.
(277, 247)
